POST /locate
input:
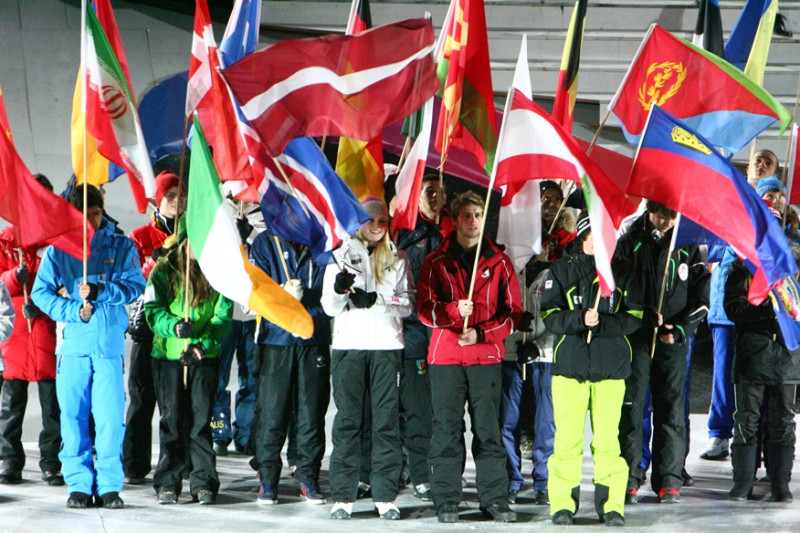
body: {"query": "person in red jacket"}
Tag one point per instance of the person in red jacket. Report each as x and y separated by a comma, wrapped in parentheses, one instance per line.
(151, 243)
(464, 364)
(29, 356)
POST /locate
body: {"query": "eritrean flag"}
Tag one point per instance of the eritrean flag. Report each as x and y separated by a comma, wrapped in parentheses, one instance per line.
(222, 257)
(679, 168)
(709, 94)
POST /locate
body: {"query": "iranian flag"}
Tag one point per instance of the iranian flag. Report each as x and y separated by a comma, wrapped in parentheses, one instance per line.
(111, 115)
(603, 234)
(222, 257)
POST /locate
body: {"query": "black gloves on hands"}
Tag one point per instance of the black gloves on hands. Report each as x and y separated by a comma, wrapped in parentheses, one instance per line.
(677, 333)
(344, 280)
(92, 292)
(527, 352)
(526, 321)
(22, 274)
(184, 329)
(192, 355)
(30, 311)
(244, 227)
(362, 299)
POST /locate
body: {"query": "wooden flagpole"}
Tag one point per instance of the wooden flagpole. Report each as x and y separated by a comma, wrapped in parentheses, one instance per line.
(24, 286)
(186, 307)
(672, 242)
(84, 38)
(785, 171)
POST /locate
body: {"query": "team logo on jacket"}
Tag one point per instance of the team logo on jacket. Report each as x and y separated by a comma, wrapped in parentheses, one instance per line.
(485, 274)
(577, 299)
(683, 271)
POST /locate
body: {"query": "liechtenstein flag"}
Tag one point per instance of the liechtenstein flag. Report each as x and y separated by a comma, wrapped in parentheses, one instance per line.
(679, 168)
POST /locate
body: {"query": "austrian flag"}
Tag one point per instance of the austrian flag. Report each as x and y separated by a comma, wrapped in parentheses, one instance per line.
(350, 86)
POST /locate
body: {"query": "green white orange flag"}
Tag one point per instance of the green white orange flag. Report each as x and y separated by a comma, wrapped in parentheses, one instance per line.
(222, 257)
(467, 117)
(603, 234)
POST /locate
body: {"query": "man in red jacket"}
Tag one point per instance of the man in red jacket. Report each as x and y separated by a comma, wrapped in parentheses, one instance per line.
(30, 356)
(464, 363)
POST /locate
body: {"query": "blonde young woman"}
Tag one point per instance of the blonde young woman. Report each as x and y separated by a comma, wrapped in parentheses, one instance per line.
(368, 291)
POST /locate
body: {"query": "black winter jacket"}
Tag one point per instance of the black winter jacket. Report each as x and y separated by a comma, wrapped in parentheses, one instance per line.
(570, 290)
(760, 355)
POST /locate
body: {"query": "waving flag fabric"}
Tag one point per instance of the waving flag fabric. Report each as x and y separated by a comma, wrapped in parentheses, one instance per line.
(203, 43)
(708, 30)
(241, 33)
(350, 86)
(567, 88)
(793, 179)
(734, 212)
(467, 118)
(750, 38)
(707, 93)
(215, 241)
(334, 212)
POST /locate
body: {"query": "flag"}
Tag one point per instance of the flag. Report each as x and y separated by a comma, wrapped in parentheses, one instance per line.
(161, 109)
(677, 167)
(748, 43)
(5, 127)
(786, 304)
(603, 235)
(111, 115)
(467, 118)
(38, 216)
(99, 169)
(360, 163)
(793, 168)
(567, 87)
(221, 255)
(241, 33)
(708, 30)
(707, 93)
(203, 43)
(409, 180)
(350, 86)
(334, 213)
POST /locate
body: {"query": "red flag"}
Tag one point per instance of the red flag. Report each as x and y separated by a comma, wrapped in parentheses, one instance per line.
(350, 86)
(38, 215)
(199, 67)
(792, 181)
(567, 88)
(467, 118)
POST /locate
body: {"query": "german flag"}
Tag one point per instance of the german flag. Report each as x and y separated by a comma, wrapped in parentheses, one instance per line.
(567, 89)
(359, 163)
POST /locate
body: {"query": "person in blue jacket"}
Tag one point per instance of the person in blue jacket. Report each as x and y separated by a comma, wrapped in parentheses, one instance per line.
(90, 360)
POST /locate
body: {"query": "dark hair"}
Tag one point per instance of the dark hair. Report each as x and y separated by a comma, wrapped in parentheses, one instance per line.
(660, 209)
(462, 200)
(43, 181)
(200, 291)
(94, 198)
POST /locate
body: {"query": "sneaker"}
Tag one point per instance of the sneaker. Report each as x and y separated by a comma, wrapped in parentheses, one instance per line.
(54, 478)
(447, 513)
(613, 519)
(364, 490)
(220, 449)
(716, 450)
(563, 518)
(78, 500)
(541, 497)
(688, 480)
(310, 492)
(111, 500)
(293, 470)
(423, 492)
(500, 512)
(167, 497)
(268, 494)
(631, 496)
(342, 510)
(10, 476)
(387, 510)
(512, 496)
(205, 497)
(668, 495)
(133, 480)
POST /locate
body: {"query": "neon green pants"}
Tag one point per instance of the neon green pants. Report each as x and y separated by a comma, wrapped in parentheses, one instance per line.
(571, 400)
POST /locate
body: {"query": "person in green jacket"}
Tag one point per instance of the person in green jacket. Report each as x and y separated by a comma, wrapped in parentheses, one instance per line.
(185, 367)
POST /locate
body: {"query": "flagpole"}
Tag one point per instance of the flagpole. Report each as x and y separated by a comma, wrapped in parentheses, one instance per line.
(594, 308)
(24, 286)
(403, 154)
(572, 183)
(672, 242)
(786, 161)
(524, 308)
(283, 259)
(186, 309)
(84, 37)
(291, 187)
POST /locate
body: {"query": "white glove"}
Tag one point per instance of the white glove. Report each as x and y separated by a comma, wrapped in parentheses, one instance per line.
(295, 288)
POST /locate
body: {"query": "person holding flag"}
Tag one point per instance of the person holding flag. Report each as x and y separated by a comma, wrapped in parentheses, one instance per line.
(89, 377)
(591, 360)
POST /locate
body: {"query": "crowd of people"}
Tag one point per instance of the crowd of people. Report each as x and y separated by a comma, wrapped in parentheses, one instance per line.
(409, 329)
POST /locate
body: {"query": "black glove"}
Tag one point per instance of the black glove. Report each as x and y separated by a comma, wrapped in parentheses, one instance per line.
(22, 274)
(649, 319)
(184, 329)
(527, 352)
(92, 292)
(192, 355)
(158, 253)
(362, 299)
(244, 227)
(677, 333)
(526, 321)
(30, 311)
(344, 280)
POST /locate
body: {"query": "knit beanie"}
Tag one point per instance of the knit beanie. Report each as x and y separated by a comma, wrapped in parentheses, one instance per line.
(768, 184)
(164, 182)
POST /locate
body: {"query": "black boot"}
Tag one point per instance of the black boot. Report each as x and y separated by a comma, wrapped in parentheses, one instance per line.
(743, 460)
(779, 468)
(600, 499)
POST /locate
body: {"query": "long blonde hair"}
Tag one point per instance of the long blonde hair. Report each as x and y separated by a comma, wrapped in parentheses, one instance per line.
(382, 256)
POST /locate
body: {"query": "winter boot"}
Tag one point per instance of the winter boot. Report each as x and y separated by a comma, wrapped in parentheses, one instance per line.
(779, 469)
(743, 460)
